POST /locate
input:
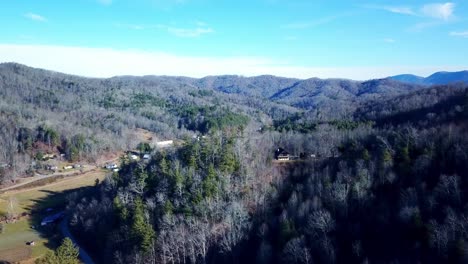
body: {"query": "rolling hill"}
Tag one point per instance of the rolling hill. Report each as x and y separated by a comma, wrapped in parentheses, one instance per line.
(438, 78)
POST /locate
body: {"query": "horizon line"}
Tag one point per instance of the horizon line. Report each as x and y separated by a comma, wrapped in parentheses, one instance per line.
(109, 63)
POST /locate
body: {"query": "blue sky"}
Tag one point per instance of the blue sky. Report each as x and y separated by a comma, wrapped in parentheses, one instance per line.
(295, 38)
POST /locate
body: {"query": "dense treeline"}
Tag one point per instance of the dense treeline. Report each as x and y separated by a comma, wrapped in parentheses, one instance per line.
(186, 204)
(436, 104)
(382, 175)
(376, 194)
(396, 195)
(91, 117)
(45, 112)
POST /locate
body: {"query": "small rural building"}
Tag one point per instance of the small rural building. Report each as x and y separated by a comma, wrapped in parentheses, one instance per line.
(164, 144)
(51, 167)
(147, 156)
(111, 166)
(281, 154)
(68, 167)
(48, 156)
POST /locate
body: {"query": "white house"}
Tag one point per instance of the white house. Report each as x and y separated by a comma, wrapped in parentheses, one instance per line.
(111, 166)
(165, 144)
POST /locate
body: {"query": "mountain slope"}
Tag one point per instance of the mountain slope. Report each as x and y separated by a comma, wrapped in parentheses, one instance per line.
(332, 97)
(438, 78)
(409, 78)
(447, 77)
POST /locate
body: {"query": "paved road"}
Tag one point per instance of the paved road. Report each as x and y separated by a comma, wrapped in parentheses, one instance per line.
(66, 233)
(38, 176)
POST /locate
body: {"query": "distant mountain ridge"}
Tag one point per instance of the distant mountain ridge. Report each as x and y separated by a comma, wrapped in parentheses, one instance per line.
(305, 94)
(438, 78)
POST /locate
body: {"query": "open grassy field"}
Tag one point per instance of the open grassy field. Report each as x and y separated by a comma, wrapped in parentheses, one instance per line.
(13, 242)
(24, 199)
(35, 200)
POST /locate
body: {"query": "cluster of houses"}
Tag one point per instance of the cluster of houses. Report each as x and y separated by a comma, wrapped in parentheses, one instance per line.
(132, 155)
(135, 155)
(51, 163)
(112, 167)
(55, 168)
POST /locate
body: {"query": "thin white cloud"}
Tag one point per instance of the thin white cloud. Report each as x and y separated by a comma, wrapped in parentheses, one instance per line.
(440, 11)
(443, 11)
(100, 62)
(403, 10)
(400, 10)
(35, 17)
(462, 34)
(389, 40)
(434, 14)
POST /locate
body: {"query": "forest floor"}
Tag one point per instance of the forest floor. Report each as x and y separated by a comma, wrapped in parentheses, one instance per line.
(34, 203)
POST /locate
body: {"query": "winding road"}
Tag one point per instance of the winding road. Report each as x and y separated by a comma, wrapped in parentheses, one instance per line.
(84, 256)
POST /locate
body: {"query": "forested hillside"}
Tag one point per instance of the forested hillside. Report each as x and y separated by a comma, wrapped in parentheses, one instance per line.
(43, 111)
(374, 193)
(376, 171)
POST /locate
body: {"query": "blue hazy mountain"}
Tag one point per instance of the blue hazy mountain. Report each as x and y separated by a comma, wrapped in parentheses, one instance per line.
(434, 79)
